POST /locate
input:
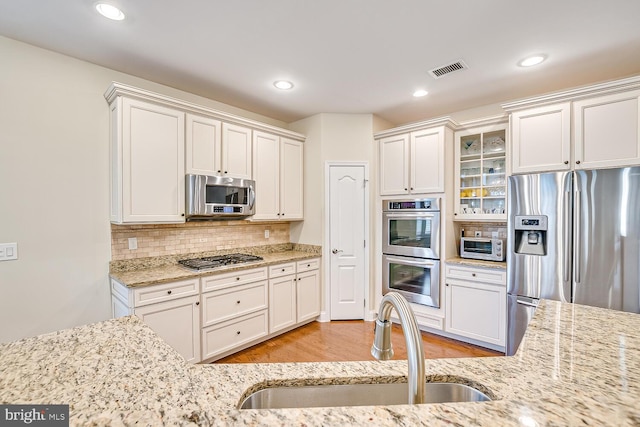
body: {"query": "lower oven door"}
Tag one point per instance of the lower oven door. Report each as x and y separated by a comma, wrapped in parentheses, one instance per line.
(417, 279)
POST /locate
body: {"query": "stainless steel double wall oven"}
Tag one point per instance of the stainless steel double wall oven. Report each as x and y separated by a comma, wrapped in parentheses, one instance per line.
(411, 249)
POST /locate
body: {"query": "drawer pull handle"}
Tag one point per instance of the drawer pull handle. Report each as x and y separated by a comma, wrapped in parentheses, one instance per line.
(169, 292)
(238, 333)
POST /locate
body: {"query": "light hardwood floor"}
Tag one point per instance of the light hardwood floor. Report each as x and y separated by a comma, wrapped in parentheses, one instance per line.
(346, 341)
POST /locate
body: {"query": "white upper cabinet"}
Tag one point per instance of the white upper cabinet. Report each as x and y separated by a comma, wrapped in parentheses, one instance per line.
(236, 151)
(204, 146)
(156, 140)
(278, 172)
(541, 139)
(413, 162)
(147, 162)
(592, 127)
(607, 131)
(394, 165)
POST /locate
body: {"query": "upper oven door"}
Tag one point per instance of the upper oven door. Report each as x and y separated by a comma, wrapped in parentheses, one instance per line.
(415, 234)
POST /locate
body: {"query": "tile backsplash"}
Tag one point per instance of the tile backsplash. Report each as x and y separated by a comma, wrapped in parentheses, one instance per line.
(156, 240)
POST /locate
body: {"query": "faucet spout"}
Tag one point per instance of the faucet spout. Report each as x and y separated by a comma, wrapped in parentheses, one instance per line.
(382, 348)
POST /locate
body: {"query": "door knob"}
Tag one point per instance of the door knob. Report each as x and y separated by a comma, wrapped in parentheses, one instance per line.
(335, 251)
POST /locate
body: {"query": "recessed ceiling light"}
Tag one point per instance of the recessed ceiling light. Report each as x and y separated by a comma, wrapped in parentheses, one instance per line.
(420, 93)
(109, 11)
(532, 60)
(283, 84)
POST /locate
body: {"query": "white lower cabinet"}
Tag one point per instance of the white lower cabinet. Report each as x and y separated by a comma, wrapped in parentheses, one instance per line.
(476, 302)
(172, 310)
(210, 317)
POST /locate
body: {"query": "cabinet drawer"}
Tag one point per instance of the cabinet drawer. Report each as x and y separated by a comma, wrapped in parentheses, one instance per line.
(226, 336)
(308, 265)
(164, 292)
(497, 277)
(227, 303)
(240, 277)
(282, 269)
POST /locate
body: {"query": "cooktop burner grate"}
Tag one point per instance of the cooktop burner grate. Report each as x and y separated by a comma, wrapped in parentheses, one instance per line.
(218, 261)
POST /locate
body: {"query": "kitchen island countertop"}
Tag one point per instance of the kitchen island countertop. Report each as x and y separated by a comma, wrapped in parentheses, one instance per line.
(577, 365)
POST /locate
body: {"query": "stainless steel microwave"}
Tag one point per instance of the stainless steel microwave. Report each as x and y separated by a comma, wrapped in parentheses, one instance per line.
(483, 248)
(218, 197)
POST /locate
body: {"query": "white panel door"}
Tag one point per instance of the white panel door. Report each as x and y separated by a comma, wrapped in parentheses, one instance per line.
(203, 145)
(236, 151)
(266, 174)
(347, 238)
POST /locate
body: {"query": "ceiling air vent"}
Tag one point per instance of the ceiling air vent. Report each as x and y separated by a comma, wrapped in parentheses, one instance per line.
(448, 69)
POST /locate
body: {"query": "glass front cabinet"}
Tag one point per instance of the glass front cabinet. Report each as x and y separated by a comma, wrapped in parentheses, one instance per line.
(481, 173)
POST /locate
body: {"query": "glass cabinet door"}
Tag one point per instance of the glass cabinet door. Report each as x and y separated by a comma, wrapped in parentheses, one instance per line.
(482, 180)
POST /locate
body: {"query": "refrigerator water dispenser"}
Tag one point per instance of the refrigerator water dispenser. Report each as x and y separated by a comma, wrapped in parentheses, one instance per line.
(530, 234)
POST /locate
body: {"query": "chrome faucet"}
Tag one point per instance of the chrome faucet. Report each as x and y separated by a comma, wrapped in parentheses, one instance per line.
(382, 349)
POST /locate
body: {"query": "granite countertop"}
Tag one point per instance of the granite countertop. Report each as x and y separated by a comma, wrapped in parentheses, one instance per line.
(577, 365)
(497, 265)
(146, 276)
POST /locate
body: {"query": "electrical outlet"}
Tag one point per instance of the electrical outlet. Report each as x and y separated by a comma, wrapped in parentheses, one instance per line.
(478, 234)
(266, 234)
(8, 251)
(133, 243)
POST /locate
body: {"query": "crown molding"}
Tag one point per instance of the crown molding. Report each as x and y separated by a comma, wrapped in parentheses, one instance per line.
(606, 88)
(116, 89)
(411, 127)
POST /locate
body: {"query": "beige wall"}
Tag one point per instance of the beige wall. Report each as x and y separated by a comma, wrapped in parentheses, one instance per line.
(54, 196)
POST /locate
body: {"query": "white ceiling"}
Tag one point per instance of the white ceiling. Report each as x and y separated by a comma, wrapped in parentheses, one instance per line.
(344, 56)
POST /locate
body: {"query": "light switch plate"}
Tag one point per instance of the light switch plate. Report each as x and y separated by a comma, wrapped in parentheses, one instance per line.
(133, 243)
(8, 251)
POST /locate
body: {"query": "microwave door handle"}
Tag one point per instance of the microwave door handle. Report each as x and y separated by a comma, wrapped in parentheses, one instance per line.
(425, 263)
(252, 197)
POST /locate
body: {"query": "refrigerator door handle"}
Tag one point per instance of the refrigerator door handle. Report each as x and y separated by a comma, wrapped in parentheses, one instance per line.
(566, 236)
(577, 240)
(529, 302)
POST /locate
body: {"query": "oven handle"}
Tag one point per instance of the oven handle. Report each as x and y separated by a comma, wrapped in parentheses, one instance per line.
(425, 263)
(412, 215)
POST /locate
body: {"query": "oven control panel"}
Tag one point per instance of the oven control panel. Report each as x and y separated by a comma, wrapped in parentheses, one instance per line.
(412, 205)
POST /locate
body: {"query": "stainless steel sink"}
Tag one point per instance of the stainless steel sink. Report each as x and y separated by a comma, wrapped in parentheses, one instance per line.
(357, 395)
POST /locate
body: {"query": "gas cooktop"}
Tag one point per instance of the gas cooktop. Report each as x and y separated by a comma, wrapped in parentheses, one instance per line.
(217, 261)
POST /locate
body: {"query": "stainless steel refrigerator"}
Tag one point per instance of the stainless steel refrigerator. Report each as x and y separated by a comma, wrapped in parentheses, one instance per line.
(572, 237)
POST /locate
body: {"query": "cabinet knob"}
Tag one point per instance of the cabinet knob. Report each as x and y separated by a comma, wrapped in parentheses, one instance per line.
(238, 333)
(566, 162)
(237, 278)
(455, 213)
(225, 172)
(169, 292)
(473, 274)
(283, 269)
(405, 189)
(283, 214)
(577, 162)
(308, 265)
(238, 302)
(446, 284)
(197, 302)
(411, 188)
(219, 171)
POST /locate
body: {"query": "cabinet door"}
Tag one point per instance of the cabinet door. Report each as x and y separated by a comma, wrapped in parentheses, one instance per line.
(152, 163)
(394, 165)
(541, 139)
(427, 161)
(203, 145)
(282, 303)
(308, 295)
(607, 131)
(266, 174)
(236, 151)
(178, 323)
(476, 310)
(291, 179)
